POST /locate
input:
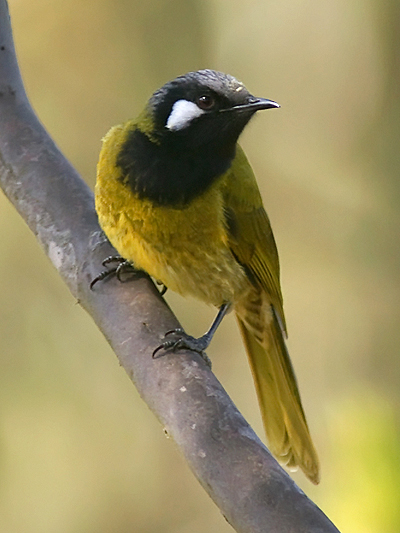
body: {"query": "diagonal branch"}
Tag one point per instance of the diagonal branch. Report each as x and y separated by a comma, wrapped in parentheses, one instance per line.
(253, 492)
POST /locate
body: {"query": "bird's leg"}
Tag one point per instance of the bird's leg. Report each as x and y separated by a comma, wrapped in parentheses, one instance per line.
(122, 267)
(182, 340)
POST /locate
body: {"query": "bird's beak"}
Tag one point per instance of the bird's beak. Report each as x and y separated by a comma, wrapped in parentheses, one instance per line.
(262, 103)
(253, 104)
(256, 104)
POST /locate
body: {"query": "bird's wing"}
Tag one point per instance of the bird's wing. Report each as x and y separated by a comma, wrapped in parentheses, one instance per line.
(262, 323)
(249, 231)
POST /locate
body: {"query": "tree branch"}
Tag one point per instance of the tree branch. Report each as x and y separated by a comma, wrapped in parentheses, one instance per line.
(253, 492)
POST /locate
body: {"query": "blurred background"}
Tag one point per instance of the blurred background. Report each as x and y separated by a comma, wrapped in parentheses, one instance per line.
(79, 450)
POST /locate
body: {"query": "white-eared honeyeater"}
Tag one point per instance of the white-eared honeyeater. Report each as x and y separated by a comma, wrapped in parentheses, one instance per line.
(178, 199)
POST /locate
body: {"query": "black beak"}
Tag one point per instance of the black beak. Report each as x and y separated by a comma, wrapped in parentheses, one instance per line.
(253, 104)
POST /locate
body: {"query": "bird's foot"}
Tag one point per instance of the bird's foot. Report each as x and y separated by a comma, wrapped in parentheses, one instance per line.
(182, 341)
(121, 268)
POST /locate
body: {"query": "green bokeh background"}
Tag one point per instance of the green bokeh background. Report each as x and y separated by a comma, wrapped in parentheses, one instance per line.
(79, 450)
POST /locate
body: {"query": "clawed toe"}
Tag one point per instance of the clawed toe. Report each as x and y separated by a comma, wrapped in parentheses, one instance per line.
(177, 331)
(123, 267)
(184, 342)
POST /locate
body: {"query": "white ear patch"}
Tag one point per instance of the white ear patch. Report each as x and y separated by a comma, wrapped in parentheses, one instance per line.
(182, 114)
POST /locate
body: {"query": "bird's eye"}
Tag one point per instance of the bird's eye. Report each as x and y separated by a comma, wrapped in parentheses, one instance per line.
(205, 102)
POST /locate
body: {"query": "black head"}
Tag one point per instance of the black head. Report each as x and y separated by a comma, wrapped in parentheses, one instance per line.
(187, 137)
(203, 108)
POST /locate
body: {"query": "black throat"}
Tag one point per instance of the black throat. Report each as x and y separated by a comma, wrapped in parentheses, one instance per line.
(171, 173)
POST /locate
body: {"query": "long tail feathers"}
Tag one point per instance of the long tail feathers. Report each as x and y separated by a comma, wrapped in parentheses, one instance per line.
(283, 416)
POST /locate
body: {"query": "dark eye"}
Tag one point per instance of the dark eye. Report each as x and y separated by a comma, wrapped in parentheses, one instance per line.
(205, 102)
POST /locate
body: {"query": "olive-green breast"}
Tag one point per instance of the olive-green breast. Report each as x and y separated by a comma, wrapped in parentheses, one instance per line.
(186, 247)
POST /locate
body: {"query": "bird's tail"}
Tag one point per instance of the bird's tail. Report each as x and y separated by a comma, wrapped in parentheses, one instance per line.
(283, 416)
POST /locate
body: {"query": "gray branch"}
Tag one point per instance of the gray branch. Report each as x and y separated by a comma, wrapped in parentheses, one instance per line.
(253, 492)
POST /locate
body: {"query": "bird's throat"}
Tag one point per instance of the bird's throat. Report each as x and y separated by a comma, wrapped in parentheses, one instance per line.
(170, 173)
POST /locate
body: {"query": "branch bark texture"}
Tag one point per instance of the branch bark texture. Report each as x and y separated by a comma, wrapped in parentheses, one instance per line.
(253, 492)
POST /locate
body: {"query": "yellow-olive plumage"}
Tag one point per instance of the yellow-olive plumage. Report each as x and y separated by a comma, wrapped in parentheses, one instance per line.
(216, 245)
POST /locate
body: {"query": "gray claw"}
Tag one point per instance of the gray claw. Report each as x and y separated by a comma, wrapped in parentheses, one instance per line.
(184, 342)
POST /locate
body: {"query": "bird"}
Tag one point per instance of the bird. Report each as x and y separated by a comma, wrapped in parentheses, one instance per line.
(177, 198)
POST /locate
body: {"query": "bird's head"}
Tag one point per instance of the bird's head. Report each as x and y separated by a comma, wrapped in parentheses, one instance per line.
(203, 108)
(186, 137)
